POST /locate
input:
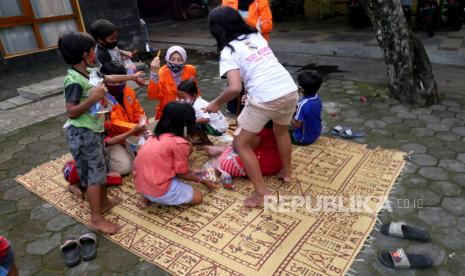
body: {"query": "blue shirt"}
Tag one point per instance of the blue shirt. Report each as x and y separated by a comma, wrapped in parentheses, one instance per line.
(309, 113)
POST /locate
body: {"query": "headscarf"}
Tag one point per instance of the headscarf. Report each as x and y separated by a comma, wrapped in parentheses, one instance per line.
(174, 49)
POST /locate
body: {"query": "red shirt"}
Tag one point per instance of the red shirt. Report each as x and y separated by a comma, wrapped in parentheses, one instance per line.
(4, 245)
(267, 152)
(158, 161)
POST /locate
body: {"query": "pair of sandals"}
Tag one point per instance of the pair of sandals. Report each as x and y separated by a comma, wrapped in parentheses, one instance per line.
(399, 259)
(346, 132)
(74, 248)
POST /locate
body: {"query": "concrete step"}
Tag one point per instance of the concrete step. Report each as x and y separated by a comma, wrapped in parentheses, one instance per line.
(41, 90)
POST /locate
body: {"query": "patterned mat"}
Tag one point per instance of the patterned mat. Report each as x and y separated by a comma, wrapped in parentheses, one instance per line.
(221, 237)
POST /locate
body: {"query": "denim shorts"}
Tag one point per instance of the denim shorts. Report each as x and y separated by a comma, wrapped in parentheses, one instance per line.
(88, 151)
(7, 262)
(178, 193)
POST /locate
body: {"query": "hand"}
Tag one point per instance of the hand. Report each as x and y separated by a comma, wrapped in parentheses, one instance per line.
(213, 107)
(137, 130)
(137, 75)
(98, 92)
(126, 54)
(209, 184)
(155, 65)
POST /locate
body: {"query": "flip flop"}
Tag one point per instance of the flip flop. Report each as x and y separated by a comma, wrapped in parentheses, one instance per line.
(398, 259)
(88, 246)
(70, 252)
(403, 231)
(337, 129)
(350, 134)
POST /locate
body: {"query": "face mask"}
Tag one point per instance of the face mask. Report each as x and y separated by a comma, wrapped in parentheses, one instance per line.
(116, 89)
(111, 45)
(175, 67)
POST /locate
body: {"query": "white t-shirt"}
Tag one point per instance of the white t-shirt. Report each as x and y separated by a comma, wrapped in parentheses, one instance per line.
(264, 77)
(217, 120)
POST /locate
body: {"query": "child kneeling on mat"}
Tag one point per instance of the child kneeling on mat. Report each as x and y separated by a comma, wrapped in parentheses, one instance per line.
(163, 161)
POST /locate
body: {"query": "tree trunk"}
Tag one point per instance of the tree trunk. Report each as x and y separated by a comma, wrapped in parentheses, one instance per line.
(409, 69)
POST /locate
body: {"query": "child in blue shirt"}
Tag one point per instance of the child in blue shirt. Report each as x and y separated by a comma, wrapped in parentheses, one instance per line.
(307, 119)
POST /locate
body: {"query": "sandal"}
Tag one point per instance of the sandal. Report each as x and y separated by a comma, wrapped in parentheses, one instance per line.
(346, 132)
(398, 259)
(70, 252)
(88, 246)
(403, 231)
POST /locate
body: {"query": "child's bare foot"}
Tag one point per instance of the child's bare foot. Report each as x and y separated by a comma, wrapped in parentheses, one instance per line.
(110, 203)
(143, 203)
(76, 191)
(213, 150)
(105, 226)
(254, 201)
(285, 177)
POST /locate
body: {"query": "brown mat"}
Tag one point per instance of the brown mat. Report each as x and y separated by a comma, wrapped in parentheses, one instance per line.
(221, 237)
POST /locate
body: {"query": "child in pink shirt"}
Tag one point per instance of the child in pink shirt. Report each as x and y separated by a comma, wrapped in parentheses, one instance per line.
(163, 161)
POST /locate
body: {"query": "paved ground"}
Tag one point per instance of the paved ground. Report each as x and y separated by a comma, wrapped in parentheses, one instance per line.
(436, 175)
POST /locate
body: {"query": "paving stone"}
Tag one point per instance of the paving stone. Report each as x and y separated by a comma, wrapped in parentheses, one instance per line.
(421, 111)
(29, 264)
(27, 140)
(456, 263)
(14, 149)
(450, 103)
(452, 166)
(29, 202)
(354, 120)
(423, 159)
(438, 107)
(43, 246)
(10, 164)
(410, 168)
(416, 148)
(60, 222)
(51, 135)
(458, 147)
(436, 216)
(414, 181)
(7, 183)
(15, 193)
(444, 188)
(398, 128)
(459, 178)
(455, 205)
(461, 157)
(375, 124)
(451, 238)
(438, 127)
(406, 138)
(413, 123)
(13, 220)
(433, 173)
(385, 271)
(126, 260)
(435, 251)
(400, 108)
(461, 224)
(422, 132)
(43, 89)
(459, 130)
(6, 207)
(86, 269)
(430, 119)
(407, 115)
(5, 157)
(448, 137)
(453, 122)
(44, 212)
(443, 114)
(391, 120)
(424, 197)
(18, 100)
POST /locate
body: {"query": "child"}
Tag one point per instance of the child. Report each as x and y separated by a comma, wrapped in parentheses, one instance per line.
(256, 13)
(307, 120)
(85, 131)
(7, 258)
(106, 35)
(213, 123)
(123, 122)
(271, 93)
(163, 161)
(165, 80)
(265, 148)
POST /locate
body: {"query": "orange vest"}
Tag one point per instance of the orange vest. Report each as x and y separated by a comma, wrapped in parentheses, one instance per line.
(127, 117)
(259, 11)
(166, 91)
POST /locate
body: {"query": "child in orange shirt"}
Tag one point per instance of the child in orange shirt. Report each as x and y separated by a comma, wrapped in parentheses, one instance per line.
(163, 161)
(164, 80)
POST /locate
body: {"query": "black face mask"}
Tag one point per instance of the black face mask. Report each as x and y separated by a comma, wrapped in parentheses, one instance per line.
(112, 45)
(175, 67)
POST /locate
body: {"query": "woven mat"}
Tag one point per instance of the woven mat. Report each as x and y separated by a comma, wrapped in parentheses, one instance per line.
(221, 237)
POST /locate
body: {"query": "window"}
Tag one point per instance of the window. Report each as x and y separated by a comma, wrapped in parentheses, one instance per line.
(34, 25)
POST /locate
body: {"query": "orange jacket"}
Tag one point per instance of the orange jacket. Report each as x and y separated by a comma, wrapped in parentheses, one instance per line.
(127, 117)
(259, 11)
(166, 91)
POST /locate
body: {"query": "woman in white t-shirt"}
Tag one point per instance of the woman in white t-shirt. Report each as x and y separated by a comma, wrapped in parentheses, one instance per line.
(271, 93)
(213, 123)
